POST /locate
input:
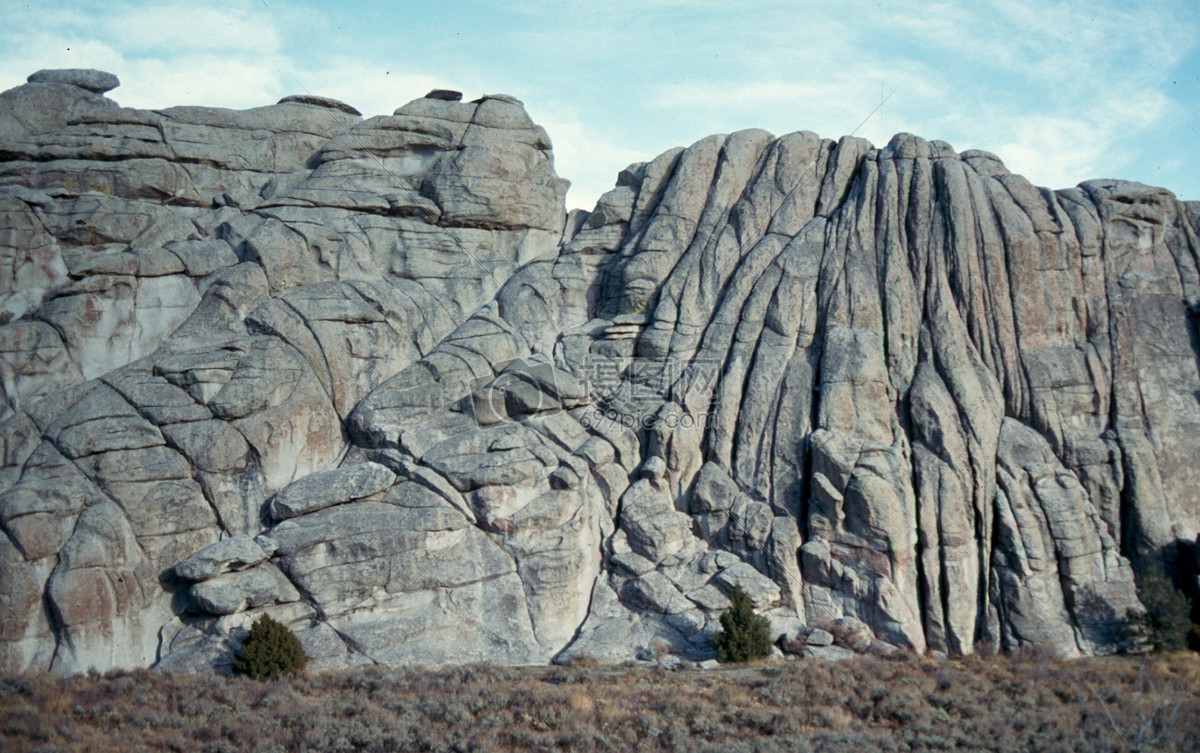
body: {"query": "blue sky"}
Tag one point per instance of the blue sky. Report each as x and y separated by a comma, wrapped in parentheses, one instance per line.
(1061, 91)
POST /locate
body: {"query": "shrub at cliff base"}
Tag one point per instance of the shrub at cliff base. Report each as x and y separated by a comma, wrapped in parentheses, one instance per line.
(744, 636)
(1166, 623)
(270, 650)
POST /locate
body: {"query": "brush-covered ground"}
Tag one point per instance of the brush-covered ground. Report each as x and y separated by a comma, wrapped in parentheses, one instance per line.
(886, 704)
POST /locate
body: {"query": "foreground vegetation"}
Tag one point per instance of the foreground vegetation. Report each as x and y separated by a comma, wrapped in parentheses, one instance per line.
(893, 704)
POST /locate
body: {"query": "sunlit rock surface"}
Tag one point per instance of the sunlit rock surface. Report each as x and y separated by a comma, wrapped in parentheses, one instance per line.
(370, 377)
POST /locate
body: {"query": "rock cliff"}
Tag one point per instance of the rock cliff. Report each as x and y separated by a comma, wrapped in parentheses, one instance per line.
(370, 377)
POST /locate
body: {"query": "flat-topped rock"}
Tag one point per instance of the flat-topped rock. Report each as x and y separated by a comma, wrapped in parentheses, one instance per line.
(315, 101)
(85, 78)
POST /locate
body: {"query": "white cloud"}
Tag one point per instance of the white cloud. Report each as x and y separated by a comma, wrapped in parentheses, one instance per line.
(1060, 151)
(589, 158)
(179, 28)
(198, 79)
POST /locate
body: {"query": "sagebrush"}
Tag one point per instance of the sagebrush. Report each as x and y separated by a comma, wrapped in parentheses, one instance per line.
(898, 703)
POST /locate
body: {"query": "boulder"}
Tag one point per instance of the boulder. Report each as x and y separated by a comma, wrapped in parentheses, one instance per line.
(763, 592)
(818, 638)
(829, 653)
(227, 555)
(85, 78)
(322, 489)
(315, 101)
(237, 591)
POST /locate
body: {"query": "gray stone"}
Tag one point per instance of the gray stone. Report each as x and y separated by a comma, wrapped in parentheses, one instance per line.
(830, 653)
(717, 561)
(709, 598)
(109, 433)
(322, 489)
(634, 563)
(212, 446)
(818, 638)
(851, 633)
(655, 592)
(243, 589)
(203, 257)
(234, 553)
(315, 101)
(84, 78)
(784, 622)
(655, 529)
(714, 491)
(763, 592)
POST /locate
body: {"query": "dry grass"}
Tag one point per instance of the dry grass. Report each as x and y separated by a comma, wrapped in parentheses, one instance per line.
(896, 704)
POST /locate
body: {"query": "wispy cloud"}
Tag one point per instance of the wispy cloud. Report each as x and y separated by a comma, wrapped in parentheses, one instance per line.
(180, 28)
(588, 156)
(1062, 150)
(1062, 91)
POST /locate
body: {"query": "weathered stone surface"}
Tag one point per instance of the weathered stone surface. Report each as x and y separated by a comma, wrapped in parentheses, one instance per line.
(104, 594)
(613, 632)
(84, 78)
(237, 591)
(234, 553)
(1059, 573)
(275, 400)
(25, 626)
(655, 592)
(656, 530)
(761, 590)
(714, 491)
(830, 653)
(323, 489)
(818, 637)
(310, 99)
(900, 395)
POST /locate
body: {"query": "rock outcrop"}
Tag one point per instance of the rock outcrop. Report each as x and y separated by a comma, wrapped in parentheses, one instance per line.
(370, 377)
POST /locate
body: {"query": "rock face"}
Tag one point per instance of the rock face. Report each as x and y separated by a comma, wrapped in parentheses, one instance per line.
(368, 376)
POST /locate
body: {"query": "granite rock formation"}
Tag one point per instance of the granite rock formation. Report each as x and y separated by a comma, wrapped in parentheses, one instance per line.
(370, 377)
